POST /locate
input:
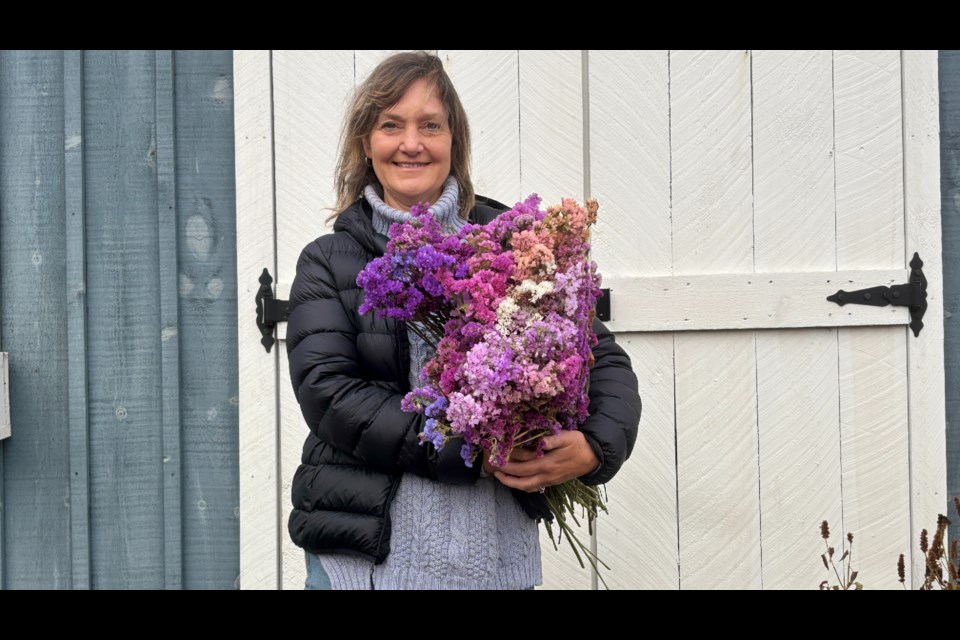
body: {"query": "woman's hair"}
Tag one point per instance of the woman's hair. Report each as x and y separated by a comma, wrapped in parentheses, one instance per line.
(384, 88)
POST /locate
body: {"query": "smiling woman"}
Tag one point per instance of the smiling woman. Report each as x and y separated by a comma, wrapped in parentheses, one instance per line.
(409, 148)
(373, 507)
(406, 102)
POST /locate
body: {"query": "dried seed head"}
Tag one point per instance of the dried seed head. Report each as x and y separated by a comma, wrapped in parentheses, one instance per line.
(923, 541)
(936, 546)
(850, 537)
(901, 569)
(824, 530)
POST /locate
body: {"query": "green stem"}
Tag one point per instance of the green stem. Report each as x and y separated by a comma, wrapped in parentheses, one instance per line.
(562, 500)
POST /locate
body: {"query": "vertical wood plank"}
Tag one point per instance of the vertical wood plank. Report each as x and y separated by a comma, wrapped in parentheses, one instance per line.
(798, 393)
(551, 125)
(260, 510)
(311, 91)
(948, 71)
(717, 461)
(487, 84)
(630, 177)
(169, 322)
(925, 353)
(630, 162)
(36, 515)
(311, 94)
(718, 483)
(209, 314)
(126, 447)
(873, 380)
(799, 453)
(76, 304)
(638, 538)
(4, 397)
(551, 164)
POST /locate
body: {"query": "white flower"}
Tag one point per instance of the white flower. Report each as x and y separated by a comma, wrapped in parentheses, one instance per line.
(506, 309)
(536, 289)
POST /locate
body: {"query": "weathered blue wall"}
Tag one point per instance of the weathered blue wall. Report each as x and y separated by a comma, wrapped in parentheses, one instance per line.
(118, 309)
(950, 199)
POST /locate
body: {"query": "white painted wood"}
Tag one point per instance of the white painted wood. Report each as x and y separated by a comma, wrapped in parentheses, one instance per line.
(799, 449)
(486, 82)
(311, 95)
(747, 301)
(793, 161)
(710, 109)
(797, 385)
(638, 538)
(716, 382)
(551, 124)
(629, 150)
(630, 162)
(717, 460)
(259, 507)
(921, 153)
(873, 370)
(739, 301)
(551, 164)
(869, 142)
(311, 92)
(5, 429)
(875, 453)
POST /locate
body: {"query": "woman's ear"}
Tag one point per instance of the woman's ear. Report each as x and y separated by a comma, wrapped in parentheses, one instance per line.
(366, 148)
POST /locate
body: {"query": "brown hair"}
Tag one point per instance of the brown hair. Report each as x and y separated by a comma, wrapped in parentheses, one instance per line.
(382, 89)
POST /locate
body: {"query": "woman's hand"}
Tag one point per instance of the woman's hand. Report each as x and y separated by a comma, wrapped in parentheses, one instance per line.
(566, 456)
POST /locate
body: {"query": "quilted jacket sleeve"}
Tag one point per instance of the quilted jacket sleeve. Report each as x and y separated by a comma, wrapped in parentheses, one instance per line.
(342, 407)
(615, 407)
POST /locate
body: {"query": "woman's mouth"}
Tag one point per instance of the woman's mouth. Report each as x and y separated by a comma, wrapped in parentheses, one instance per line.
(411, 165)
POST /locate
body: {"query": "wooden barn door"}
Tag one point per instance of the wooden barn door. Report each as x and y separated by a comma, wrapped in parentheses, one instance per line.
(738, 190)
(745, 188)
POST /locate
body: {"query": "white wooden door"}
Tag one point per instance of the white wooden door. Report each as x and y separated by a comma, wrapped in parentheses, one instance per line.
(738, 190)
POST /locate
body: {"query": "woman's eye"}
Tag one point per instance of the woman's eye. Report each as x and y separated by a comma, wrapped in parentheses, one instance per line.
(388, 125)
(432, 126)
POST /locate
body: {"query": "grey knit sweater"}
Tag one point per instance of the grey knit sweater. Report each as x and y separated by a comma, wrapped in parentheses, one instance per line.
(445, 536)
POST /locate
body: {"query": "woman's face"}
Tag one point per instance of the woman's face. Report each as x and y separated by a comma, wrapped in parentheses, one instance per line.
(410, 148)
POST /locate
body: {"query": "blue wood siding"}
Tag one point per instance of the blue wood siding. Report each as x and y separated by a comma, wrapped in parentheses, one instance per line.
(118, 309)
(950, 216)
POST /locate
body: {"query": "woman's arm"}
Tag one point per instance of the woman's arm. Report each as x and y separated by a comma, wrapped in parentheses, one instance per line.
(615, 406)
(340, 404)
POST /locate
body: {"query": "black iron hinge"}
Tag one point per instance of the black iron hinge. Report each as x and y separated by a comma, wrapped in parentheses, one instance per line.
(270, 311)
(913, 294)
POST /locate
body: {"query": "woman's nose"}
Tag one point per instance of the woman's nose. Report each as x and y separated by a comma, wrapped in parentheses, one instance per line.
(411, 142)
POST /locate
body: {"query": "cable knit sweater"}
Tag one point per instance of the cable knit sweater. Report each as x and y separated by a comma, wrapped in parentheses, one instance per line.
(445, 536)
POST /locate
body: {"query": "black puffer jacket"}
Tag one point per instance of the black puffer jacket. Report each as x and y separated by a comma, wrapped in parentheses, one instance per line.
(349, 373)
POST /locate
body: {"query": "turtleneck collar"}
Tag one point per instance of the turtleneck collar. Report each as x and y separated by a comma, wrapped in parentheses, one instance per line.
(445, 209)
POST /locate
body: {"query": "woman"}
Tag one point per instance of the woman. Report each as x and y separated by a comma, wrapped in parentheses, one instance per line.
(373, 508)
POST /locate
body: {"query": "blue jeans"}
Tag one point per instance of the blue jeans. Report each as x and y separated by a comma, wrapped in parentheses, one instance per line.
(317, 578)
